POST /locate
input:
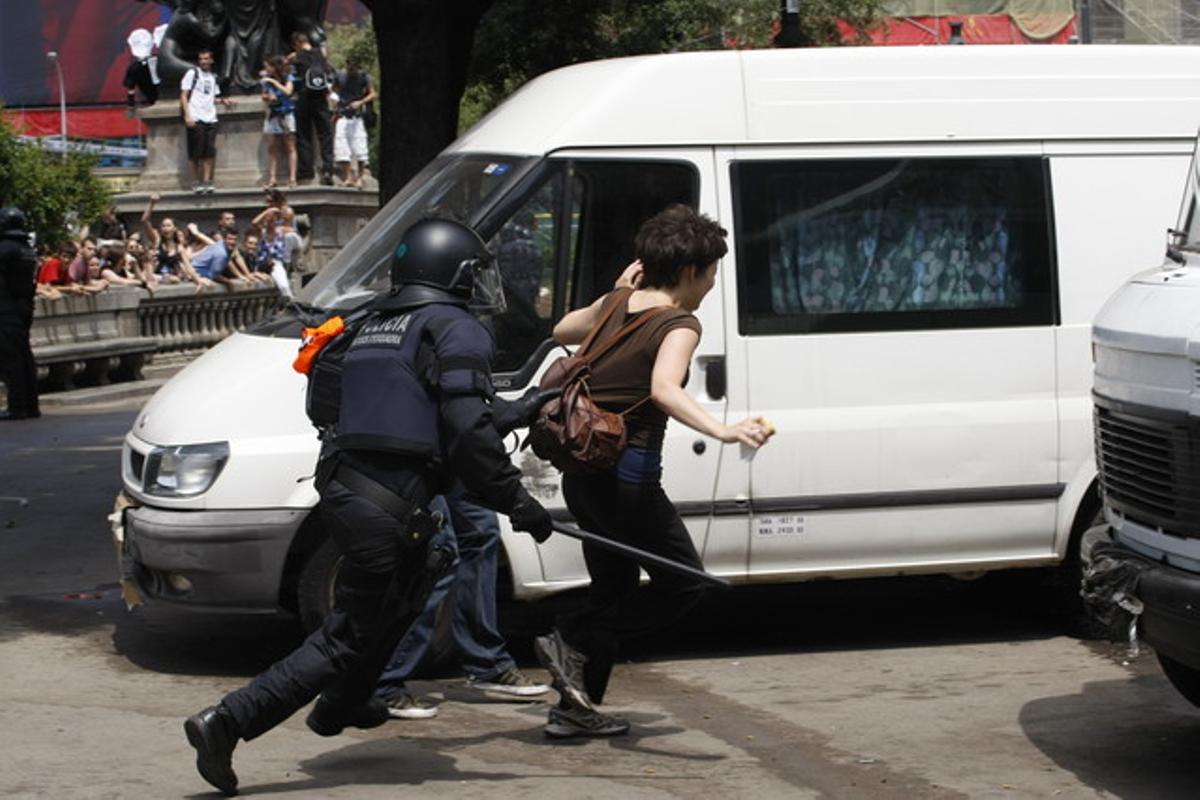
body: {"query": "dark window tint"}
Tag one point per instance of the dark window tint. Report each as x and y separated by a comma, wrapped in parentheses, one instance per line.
(612, 201)
(902, 244)
(565, 241)
(525, 248)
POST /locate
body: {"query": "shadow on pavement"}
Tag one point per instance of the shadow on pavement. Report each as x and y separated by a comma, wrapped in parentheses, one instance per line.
(415, 761)
(1134, 739)
(750, 620)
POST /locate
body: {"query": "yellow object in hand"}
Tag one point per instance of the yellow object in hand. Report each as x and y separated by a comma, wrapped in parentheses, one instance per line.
(767, 427)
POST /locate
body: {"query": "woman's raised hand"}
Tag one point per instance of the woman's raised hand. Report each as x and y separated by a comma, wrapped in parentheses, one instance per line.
(631, 278)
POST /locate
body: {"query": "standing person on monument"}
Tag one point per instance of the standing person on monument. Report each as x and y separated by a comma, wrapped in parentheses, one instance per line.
(415, 409)
(355, 92)
(279, 127)
(642, 376)
(198, 97)
(314, 79)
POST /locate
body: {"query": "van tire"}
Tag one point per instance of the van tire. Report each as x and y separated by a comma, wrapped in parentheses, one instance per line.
(314, 590)
(1184, 678)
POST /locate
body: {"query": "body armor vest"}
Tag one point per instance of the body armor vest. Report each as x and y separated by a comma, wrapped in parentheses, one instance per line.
(395, 373)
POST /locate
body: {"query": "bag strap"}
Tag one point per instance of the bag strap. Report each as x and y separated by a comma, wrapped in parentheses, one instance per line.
(623, 333)
(612, 309)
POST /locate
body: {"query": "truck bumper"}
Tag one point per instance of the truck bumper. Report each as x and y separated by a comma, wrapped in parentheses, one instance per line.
(211, 560)
(1170, 597)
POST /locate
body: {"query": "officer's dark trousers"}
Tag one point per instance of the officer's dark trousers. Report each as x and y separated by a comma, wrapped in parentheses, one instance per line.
(344, 657)
(638, 514)
(18, 369)
(312, 115)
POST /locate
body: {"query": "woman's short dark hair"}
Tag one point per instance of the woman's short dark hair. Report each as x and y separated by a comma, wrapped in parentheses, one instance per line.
(675, 238)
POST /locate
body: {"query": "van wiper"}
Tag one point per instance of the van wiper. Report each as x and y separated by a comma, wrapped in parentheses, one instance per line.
(306, 313)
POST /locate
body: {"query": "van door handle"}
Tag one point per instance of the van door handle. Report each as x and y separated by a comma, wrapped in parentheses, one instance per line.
(714, 377)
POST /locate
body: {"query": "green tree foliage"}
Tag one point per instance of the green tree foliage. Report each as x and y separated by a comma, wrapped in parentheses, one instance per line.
(55, 193)
(518, 40)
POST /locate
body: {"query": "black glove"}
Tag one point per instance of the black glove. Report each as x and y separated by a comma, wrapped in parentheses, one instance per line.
(532, 517)
(508, 415)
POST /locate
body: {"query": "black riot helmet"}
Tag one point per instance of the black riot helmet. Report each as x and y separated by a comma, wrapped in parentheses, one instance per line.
(439, 260)
(13, 222)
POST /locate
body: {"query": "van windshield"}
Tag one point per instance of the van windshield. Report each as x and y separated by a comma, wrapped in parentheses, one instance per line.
(458, 186)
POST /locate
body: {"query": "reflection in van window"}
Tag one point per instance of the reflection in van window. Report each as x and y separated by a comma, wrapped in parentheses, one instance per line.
(562, 249)
(892, 244)
(525, 251)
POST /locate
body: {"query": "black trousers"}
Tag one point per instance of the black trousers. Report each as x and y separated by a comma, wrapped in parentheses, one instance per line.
(312, 115)
(344, 657)
(18, 369)
(638, 514)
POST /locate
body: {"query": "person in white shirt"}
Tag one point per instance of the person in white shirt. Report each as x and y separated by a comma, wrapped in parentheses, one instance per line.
(199, 94)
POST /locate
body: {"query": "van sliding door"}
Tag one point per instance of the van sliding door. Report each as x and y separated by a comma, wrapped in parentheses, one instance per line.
(563, 245)
(896, 316)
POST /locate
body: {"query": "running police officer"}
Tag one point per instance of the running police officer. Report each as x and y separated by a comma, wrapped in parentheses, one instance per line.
(18, 265)
(415, 411)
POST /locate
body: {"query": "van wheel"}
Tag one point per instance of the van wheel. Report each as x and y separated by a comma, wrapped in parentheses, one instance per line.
(315, 589)
(1182, 677)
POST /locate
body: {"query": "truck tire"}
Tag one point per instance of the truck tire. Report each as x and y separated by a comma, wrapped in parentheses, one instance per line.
(314, 590)
(1184, 678)
(1064, 584)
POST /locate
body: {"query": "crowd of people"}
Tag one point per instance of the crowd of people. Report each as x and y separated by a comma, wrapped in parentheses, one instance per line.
(106, 254)
(304, 99)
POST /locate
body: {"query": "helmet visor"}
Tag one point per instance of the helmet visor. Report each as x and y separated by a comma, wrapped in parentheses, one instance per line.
(487, 288)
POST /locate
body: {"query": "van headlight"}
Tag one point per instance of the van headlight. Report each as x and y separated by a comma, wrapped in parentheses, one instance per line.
(184, 470)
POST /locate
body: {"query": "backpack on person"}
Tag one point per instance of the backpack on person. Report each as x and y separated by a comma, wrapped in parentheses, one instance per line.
(319, 76)
(572, 432)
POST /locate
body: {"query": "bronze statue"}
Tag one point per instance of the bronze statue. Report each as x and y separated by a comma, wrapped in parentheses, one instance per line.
(241, 34)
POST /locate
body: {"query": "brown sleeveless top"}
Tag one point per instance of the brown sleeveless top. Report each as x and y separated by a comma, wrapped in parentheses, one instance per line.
(621, 377)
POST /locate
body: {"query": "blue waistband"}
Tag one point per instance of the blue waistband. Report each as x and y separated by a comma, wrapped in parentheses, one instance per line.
(640, 466)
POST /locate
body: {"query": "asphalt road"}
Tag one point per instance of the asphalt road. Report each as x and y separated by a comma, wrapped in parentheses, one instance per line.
(899, 688)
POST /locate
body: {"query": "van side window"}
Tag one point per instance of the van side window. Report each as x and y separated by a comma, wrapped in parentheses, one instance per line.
(614, 199)
(900, 244)
(562, 249)
(525, 251)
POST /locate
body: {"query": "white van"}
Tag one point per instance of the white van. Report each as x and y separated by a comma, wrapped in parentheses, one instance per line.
(919, 239)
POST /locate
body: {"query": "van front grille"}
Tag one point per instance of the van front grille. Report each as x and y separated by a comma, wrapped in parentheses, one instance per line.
(1150, 467)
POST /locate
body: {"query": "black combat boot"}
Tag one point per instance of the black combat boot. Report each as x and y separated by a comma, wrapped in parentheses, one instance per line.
(214, 734)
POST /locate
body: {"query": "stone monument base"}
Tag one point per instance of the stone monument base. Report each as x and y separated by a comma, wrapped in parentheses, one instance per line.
(335, 213)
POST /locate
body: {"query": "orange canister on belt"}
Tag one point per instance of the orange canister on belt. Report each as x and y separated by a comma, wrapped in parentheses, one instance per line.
(314, 341)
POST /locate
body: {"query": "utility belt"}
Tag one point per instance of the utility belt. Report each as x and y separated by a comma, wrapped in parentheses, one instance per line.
(404, 503)
(414, 583)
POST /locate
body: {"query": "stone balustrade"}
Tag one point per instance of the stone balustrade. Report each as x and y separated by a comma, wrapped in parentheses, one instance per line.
(88, 340)
(180, 318)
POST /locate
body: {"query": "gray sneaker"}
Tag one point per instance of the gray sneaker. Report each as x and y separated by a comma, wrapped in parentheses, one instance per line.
(565, 723)
(510, 682)
(405, 706)
(565, 665)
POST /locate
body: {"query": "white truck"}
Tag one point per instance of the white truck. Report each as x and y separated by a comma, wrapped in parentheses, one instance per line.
(1142, 567)
(919, 240)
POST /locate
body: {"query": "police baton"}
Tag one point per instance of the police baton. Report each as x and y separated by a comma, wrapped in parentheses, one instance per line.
(639, 555)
